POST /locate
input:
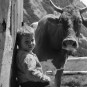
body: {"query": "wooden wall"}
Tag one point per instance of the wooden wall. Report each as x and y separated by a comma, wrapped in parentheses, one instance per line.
(10, 15)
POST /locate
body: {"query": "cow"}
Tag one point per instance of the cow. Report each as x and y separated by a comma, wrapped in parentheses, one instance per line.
(57, 37)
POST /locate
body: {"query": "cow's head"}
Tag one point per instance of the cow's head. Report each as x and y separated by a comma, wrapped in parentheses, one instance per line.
(71, 21)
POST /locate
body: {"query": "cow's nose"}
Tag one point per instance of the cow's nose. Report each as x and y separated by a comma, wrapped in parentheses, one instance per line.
(71, 43)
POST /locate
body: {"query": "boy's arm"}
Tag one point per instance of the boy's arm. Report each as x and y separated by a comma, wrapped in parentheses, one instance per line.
(35, 68)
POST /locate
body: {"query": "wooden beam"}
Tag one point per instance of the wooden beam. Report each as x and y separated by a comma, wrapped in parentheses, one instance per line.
(74, 72)
(17, 19)
(77, 58)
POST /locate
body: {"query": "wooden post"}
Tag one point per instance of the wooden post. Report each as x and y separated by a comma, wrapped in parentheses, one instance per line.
(17, 15)
(17, 19)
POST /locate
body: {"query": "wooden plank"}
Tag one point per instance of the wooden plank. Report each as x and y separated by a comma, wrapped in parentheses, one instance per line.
(17, 19)
(14, 20)
(14, 27)
(74, 72)
(52, 73)
(77, 58)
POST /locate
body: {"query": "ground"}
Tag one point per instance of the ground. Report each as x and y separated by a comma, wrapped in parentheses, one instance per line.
(74, 80)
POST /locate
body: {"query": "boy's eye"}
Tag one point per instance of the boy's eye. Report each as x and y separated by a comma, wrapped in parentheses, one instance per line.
(32, 40)
(26, 42)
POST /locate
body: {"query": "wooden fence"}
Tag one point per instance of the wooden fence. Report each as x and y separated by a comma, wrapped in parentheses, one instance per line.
(76, 65)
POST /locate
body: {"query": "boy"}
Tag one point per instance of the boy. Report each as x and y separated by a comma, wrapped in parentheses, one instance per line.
(29, 70)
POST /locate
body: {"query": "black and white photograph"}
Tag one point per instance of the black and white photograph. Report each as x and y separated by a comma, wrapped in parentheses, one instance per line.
(43, 43)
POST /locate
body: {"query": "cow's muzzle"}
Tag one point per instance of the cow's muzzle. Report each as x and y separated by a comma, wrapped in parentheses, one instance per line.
(69, 44)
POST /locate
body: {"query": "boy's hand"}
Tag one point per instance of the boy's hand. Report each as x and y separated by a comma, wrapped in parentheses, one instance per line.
(46, 78)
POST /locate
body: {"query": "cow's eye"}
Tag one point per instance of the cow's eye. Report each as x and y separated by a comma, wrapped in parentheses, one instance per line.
(26, 42)
(79, 21)
(63, 21)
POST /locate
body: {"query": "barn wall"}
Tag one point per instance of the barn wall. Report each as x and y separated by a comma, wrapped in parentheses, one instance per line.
(6, 42)
(10, 15)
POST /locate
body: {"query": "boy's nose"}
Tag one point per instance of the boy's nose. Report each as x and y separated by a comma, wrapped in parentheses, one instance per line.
(33, 42)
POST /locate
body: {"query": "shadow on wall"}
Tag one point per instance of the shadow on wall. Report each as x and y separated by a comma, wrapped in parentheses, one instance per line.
(13, 80)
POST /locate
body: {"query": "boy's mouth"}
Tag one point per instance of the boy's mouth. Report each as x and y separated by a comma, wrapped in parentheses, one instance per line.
(30, 46)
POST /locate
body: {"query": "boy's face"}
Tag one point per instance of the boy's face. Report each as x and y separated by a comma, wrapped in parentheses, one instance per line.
(28, 42)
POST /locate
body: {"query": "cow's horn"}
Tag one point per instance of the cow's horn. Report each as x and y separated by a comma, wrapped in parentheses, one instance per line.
(58, 9)
(83, 10)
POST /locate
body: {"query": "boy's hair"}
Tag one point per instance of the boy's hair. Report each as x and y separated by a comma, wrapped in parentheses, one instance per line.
(23, 31)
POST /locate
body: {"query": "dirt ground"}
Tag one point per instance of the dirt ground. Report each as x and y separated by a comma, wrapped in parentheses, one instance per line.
(74, 81)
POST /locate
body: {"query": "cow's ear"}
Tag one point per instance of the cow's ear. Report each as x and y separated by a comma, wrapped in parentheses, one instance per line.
(53, 20)
(84, 20)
